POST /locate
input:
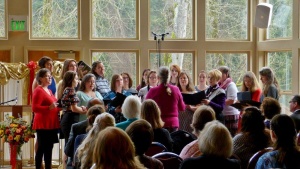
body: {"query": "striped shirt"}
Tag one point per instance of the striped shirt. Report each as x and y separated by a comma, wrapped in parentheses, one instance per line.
(102, 85)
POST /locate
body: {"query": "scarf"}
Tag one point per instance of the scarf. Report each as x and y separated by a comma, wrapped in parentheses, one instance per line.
(225, 84)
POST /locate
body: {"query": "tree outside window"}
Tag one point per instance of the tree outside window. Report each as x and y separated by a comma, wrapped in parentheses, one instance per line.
(2, 19)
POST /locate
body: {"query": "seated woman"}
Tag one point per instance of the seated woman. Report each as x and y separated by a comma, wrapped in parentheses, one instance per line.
(215, 95)
(202, 115)
(253, 136)
(141, 133)
(114, 149)
(151, 113)
(270, 107)
(286, 153)
(131, 110)
(215, 143)
(127, 84)
(85, 150)
(116, 86)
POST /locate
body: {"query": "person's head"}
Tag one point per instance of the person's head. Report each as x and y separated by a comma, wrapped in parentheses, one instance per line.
(151, 113)
(104, 120)
(114, 149)
(175, 71)
(131, 107)
(294, 103)
(69, 65)
(252, 120)
(116, 82)
(266, 75)
(43, 77)
(92, 113)
(70, 79)
(163, 74)
(270, 107)
(202, 77)
(94, 101)
(144, 77)
(141, 133)
(185, 82)
(202, 115)
(98, 68)
(152, 78)
(215, 140)
(214, 76)
(225, 73)
(88, 83)
(127, 80)
(46, 62)
(283, 132)
(250, 82)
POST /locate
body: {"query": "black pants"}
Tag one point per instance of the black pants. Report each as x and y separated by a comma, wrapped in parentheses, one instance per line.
(45, 139)
(67, 120)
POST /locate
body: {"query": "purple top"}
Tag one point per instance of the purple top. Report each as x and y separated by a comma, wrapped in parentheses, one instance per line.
(169, 105)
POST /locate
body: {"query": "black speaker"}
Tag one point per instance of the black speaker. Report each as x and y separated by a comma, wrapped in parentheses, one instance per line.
(263, 15)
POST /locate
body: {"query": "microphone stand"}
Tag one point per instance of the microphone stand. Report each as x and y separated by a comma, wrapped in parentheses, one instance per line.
(158, 44)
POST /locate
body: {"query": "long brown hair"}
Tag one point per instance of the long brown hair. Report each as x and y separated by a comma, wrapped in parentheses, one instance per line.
(254, 82)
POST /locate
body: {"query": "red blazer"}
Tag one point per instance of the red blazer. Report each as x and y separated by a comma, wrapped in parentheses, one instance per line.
(43, 117)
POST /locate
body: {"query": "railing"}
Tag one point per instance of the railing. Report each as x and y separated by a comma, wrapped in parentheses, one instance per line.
(25, 112)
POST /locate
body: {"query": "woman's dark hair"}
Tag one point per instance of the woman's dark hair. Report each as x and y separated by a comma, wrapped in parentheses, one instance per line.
(43, 61)
(94, 65)
(129, 78)
(68, 79)
(253, 125)
(284, 128)
(143, 83)
(85, 79)
(40, 74)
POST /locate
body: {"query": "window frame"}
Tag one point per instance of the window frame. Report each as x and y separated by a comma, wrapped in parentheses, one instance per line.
(5, 37)
(79, 36)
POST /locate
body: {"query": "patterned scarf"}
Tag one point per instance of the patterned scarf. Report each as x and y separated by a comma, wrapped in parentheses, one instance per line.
(225, 83)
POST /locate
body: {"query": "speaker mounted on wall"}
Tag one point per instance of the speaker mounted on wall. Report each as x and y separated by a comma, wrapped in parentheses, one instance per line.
(263, 15)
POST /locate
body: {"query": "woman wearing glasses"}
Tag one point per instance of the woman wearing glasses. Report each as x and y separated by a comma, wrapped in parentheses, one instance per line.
(151, 81)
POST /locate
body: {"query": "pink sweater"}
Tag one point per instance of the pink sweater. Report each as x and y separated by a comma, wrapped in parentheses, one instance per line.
(169, 105)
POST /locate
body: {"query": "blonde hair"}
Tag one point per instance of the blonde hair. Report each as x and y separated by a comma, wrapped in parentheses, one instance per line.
(254, 82)
(215, 140)
(114, 149)
(151, 112)
(86, 148)
(215, 74)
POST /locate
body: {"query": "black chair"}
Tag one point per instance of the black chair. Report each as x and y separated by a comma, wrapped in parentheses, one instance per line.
(180, 139)
(170, 160)
(253, 160)
(155, 148)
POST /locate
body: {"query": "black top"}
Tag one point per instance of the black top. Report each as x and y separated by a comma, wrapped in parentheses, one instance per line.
(163, 136)
(296, 118)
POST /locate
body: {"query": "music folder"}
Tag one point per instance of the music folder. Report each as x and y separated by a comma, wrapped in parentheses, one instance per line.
(84, 66)
(118, 100)
(193, 99)
(244, 96)
(245, 103)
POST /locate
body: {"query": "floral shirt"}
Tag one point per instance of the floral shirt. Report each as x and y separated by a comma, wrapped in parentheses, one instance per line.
(269, 160)
(69, 98)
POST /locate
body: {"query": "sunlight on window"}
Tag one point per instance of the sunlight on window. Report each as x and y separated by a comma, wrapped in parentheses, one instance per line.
(2, 19)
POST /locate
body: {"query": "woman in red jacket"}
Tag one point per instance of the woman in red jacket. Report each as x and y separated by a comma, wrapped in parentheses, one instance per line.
(46, 120)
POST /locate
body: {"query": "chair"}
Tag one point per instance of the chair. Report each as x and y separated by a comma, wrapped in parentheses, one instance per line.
(155, 148)
(170, 160)
(253, 160)
(180, 139)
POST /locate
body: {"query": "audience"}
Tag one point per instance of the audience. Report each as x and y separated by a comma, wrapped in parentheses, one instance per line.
(295, 109)
(168, 99)
(151, 113)
(253, 136)
(114, 149)
(141, 133)
(286, 153)
(215, 144)
(131, 110)
(202, 115)
(269, 107)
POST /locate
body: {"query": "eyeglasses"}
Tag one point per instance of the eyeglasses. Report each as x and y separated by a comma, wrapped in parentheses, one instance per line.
(152, 78)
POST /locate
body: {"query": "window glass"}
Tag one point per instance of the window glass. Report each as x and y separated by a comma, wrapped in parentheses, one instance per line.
(183, 60)
(55, 19)
(281, 64)
(227, 19)
(117, 63)
(282, 19)
(237, 63)
(172, 16)
(114, 19)
(2, 19)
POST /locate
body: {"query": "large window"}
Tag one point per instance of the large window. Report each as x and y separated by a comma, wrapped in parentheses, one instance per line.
(172, 16)
(237, 63)
(281, 23)
(55, 19)
(114, 19)
(117, 63)
(2, 19)
(227, 19)
(281, 64)
(183, 60)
